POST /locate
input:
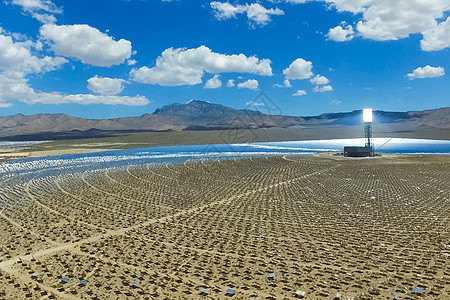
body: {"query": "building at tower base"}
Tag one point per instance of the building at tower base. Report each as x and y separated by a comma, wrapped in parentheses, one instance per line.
(350, 151)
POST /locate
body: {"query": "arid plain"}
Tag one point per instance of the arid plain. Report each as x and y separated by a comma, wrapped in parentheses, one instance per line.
(264, 228)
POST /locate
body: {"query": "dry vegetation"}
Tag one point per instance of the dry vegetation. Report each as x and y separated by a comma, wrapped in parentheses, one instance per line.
(275, 228)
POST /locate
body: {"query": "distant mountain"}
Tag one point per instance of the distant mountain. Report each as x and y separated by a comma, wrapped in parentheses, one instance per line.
(202, 115)
(439, 118)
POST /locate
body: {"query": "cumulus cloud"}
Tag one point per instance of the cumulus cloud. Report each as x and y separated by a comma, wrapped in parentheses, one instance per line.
(251, 84)
(341, 34)
(186, 66)
(87, 44)
(299, 69)
(323, 89)
(286, 84)
(105, 86)
(20, 90)
(17, 57)
(299, 93)
(383, 20)
(436, 37)
(213, 83)
(426, 72)
(256, 13)
(392, 20)
(230, 83)
(17, 61)
(42, 10)
(320, 80)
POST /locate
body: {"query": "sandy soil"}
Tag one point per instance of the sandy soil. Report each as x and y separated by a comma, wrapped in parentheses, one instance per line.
(20, 154)
(267, 228)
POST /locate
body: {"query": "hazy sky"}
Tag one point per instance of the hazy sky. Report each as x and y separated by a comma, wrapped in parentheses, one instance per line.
(112, 58)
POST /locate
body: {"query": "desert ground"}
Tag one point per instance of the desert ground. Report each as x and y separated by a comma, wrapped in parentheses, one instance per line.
(116, 141)
(306, 227)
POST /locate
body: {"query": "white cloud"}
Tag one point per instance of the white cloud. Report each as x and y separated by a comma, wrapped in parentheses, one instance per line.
(20, 90)
(319, 80)
(5, 105)
(256, 13)
(299, 69)
(186, 66)
(36, 5)
(105, 86)
(87, 44)
(323, 89)
(86, 99)
(213, 83)
(225, 10)
(426, 72)
(299, 93)
(230, 83)
(340, 34)
(17, 57)
(44, 18)
(383, 20)
(42, 10)
(286, 84)
(392, 20)
(436, 37)
(251, 84)
(131, 62)
(17, 61)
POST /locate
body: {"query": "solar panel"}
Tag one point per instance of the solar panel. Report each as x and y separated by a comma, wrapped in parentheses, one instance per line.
(82, 282)
(230, 292)
(134, 283)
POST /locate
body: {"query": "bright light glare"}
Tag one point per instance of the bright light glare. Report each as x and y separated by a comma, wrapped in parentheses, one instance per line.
(367, 115)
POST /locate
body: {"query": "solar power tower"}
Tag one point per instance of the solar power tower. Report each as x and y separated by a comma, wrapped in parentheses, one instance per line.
(368, 119)
(367, 150)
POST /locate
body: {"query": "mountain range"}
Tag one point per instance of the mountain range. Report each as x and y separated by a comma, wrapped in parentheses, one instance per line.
(203, 115)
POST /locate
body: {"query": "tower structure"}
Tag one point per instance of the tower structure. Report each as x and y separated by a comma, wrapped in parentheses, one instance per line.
(368, 119)
(368, 149)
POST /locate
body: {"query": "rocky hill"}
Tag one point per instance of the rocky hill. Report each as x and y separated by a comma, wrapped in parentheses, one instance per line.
(202, 115)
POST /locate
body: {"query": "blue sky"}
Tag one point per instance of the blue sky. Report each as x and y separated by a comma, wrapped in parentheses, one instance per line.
(114, 58)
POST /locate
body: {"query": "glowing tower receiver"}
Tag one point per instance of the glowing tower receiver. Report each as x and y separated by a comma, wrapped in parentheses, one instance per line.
(368, 118)
(367, 115)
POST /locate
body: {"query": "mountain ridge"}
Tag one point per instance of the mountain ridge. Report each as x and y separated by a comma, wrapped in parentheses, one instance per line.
(203, 115)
